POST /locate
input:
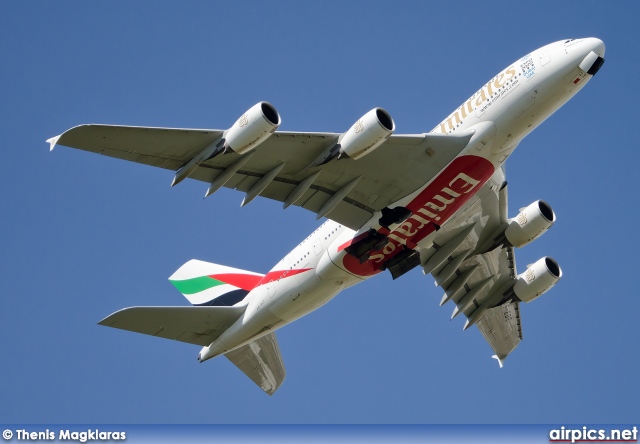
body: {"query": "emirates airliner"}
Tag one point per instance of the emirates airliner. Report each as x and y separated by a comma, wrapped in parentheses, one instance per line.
(393, 202)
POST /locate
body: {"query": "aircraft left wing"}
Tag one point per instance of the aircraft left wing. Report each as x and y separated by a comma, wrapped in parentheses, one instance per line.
(347, 191)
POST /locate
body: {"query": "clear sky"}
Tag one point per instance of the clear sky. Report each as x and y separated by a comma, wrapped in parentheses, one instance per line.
(85, 235)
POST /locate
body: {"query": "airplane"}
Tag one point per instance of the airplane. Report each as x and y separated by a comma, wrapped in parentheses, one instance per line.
(435, 200)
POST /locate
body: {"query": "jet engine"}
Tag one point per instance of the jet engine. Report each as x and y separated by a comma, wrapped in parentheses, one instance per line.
(538, 279)
(252, 128)
(530, 224)
(367, 134)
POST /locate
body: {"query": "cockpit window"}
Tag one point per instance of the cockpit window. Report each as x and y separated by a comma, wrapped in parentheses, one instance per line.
(570, 40)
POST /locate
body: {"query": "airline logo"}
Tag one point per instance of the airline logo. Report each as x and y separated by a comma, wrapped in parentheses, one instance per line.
(445, 195)
(493, 90)
(530, 275)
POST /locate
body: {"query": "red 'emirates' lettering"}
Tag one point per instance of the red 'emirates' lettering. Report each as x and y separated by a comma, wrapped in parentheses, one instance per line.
(434, 205)
(419, 225)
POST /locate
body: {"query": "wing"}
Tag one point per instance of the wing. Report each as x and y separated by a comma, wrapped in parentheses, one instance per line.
(346, 191)
(194, 325)
(261, 361)
(479, 271)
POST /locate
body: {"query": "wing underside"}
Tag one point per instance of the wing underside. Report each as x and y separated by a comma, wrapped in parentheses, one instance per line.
(398, 167)
(478, 275)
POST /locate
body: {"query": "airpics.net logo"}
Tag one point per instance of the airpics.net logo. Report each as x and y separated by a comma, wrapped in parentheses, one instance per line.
(63, 435)
(585, 434)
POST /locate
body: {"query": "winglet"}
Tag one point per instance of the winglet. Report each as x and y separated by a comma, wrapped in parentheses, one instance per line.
(500, 361)
(52, 142)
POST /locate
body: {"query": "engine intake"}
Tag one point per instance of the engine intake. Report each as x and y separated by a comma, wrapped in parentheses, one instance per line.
(367, 134)
(539, 278)
(252, 128)
(530, 224)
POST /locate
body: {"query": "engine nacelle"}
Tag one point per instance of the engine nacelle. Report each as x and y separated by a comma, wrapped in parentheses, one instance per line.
(252, 128)
(530, 224)
(538, 279)
(367, 134)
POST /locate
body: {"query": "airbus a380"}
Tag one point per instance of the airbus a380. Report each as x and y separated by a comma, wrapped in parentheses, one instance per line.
(436, 200)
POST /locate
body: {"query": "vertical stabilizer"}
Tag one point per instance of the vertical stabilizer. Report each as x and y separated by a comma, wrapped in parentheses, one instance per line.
(204, 283)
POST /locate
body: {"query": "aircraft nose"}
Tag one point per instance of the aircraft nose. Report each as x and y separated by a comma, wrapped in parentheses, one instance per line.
(592, 49)
(595, 45)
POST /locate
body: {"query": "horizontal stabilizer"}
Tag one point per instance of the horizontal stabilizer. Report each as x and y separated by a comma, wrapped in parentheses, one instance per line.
(262, 362)
(194, 325)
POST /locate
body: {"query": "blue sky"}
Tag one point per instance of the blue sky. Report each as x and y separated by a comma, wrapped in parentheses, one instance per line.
(84, 235)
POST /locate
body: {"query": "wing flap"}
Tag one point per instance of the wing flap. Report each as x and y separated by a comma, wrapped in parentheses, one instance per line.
(262, 362)
(194, 325)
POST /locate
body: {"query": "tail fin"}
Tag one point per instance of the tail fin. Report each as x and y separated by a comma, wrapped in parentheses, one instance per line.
(204, 283)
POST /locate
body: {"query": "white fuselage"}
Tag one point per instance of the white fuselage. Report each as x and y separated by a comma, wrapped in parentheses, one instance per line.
(501, 113)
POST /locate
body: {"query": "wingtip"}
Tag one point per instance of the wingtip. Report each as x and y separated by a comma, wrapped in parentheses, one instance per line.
(177, 178)
(53, 141)
(500, 360)
(106, 321)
